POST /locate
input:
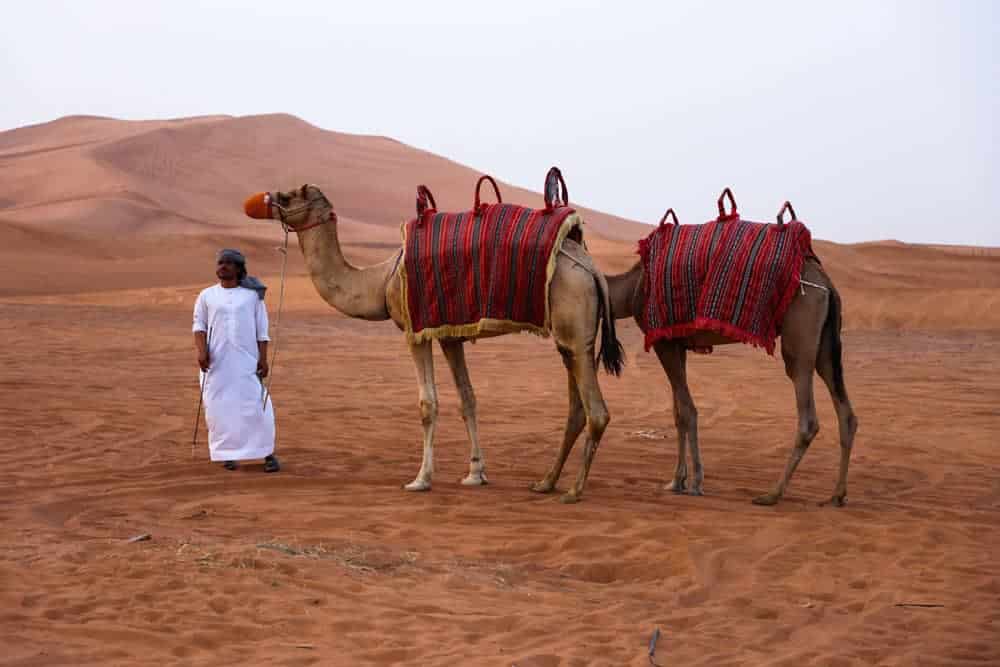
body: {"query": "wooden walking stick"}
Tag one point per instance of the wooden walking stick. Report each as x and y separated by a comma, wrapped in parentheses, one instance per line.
(201, 396)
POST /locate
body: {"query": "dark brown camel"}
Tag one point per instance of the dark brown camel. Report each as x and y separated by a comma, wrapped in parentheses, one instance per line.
(810, 341)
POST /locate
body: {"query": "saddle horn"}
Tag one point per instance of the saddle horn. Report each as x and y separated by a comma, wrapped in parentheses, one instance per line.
(496, 189)
(732, 204)
(553, 182)
(669, 214)
(787, 206)
(425, 201)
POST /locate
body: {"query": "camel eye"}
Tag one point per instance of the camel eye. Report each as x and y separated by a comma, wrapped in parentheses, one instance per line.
(283, 199)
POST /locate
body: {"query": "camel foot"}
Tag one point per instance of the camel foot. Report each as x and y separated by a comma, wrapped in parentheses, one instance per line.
(569, 498)
(836, 501)
(544, 486)
(695, 491)
(418, 485)
(767, 499)
(677, 485)
(477, 479)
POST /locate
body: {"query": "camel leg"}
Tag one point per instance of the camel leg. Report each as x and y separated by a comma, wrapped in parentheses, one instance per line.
(673, 358)
(575, 422)
(423, 359)
(847, 422)
(596, 410)
(454, 352)
(679, 483)
(800, 371)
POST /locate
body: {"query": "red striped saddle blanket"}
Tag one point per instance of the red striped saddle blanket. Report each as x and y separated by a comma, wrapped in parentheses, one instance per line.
(483, 270)
(729, 276)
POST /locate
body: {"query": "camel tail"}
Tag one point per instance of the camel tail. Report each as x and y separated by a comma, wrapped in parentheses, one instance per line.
(831, 332)
(611, 354)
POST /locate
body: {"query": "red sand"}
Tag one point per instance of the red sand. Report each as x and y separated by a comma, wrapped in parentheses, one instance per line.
(109, 229)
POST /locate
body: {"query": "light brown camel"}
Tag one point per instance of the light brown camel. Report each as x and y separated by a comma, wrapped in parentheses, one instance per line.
(810, 340)
(578, 298)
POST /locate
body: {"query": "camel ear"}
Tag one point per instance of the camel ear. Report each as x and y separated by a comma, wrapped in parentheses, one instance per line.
(304, 188)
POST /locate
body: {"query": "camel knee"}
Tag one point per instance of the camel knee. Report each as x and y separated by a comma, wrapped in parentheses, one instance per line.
(808, 429)
(599, 420)
(428, 410)
(576, 421)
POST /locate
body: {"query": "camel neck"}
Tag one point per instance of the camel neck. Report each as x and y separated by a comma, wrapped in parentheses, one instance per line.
(356, 292)
(622, 290)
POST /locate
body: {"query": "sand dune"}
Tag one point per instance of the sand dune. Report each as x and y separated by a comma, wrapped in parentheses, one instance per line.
(92, 204)
(202, 169)
(108, 230)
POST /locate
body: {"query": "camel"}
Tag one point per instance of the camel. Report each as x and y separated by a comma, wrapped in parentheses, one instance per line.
(810, 340)
(578, 298)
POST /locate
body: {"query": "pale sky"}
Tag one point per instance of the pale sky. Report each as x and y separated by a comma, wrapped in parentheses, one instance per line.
(878, 119)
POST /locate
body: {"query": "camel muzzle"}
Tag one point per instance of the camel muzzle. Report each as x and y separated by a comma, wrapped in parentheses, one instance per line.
(258, 206)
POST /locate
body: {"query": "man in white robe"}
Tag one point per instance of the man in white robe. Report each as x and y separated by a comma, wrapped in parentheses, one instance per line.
(230, 334)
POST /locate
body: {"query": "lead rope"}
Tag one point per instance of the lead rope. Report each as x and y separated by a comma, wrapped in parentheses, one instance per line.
(806, 282)
(277, 322)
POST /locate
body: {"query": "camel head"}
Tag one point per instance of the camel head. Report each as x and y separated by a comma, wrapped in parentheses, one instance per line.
(296, 209)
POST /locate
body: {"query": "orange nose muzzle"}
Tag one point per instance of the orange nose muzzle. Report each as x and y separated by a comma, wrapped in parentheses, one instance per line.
(258, 206)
